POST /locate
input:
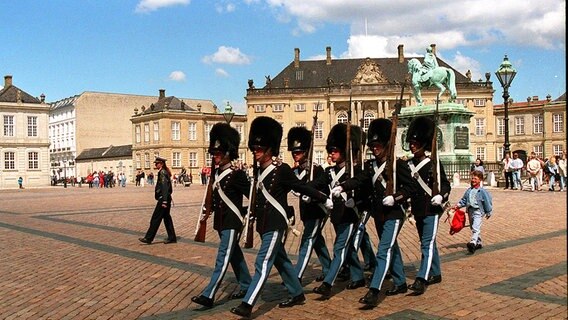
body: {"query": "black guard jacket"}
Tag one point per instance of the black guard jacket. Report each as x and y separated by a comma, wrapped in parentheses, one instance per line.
(234, 185)
(312, 210)
(421, 201)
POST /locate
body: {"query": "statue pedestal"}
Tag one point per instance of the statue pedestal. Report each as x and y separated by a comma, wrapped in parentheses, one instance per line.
(453, 130)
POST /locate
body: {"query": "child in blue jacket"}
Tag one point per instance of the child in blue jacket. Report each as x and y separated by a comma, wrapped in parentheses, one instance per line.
(478, 203)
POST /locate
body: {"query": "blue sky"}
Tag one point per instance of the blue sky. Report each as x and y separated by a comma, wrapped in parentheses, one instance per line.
(209, 49)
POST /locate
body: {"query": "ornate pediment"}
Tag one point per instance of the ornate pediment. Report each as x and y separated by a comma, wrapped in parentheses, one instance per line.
(369, 73)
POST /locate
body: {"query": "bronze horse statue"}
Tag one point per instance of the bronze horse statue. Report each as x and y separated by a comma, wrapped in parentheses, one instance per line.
(440, 77)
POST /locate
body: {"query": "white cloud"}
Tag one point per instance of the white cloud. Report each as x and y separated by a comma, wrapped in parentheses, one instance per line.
(227, 55)
(225, 8)
(145, 6)
(177, 76)
(221, 73)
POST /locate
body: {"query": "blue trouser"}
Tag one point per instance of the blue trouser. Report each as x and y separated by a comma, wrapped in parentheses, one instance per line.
(312, 240)
(517, 178)
(389, 256)
(229, 252)
(362, 241)
(475, 220)
(271, 252)
(344, 252)
(427, 229)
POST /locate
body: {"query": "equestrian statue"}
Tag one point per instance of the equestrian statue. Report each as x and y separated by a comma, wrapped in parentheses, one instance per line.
(430, 74)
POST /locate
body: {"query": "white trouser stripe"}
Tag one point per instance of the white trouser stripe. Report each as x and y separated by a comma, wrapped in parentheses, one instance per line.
(264, 269)
(389, 253)
(431, 247)
(309, 249)
(225, 263)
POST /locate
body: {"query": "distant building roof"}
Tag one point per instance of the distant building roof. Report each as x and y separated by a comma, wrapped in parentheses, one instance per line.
(11, 93)
(124, 151)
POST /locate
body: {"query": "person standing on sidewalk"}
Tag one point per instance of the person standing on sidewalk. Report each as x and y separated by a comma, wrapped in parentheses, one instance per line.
(478, 203)
(534, 170)
(229, 185)
(516, 166)
(508, 171)
(21, 182)
(163, 195)
(426, 206)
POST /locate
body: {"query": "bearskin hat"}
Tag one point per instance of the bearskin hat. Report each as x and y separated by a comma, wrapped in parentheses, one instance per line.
(421, 130)
(337, 138)
(299, 139)
(225, 138)
(265, 132)
(379, 131)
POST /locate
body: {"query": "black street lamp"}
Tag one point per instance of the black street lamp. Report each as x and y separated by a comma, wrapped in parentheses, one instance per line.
(228, 114)
(505, 74)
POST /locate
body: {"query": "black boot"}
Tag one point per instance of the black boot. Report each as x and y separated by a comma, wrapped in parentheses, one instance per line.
(239, 295)
(299, 299)
(419, 286)
(244, 310)
(397, 290)
(204, 301)
(324, 289)
(371, 298)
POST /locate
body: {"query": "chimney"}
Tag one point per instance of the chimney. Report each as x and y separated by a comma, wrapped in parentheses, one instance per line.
(535, 98)
(400, 53)
(162, 94)
(42, 98)
(328, 55)
(433, 46)
(296, 57)
(7, 81)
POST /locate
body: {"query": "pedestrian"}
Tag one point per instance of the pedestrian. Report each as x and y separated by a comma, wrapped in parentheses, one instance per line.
(534, 169)
(163, 195)
(562, 170)
(508, 171)
(203, 175)
(426, 206)
(21, 182)
(313, 215)
(229, 186)
(388, 212)
(516, 166)
(273, 181)
(478, 203)
(552, 172)
(345, 215)
(478, 165)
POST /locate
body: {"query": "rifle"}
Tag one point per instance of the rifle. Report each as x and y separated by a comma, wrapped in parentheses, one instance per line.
(390, 166)
(250, 217)
(311, 152)
(201, 227)
(350, 203)
(434, 155)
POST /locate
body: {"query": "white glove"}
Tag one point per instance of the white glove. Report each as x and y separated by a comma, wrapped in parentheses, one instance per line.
(295, 194)
(437, 200)
(388, 201)
(336, 191)
(329, 204)
(306, 199)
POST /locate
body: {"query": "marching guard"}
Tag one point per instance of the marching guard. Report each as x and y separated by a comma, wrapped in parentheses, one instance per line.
(425, 206)
(273, 181)
(229, 185)
(313, 215)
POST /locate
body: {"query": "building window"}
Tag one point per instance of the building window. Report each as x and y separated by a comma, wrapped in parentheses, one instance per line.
(176, 159)
(33, 160)
(538, 150)
(480, 126)
(367, 118)
(192, 159)
(32, 126)
(147, 132)
(318, 106)
(9, 160)
(480, 153)
(208, 127)
(239, 128)
(461, 101)
(500, 126)
(192, 127)
(138, 164)
(319, 157)
(278, 107)
(8, 126)
(156, 131)
(300, 124)
(538, 123)
(557, 122)
(519, 125)
(175, 130)
(300, 107)
(479, 102)
(259, 108)
(499, 154)
(147, 160)
(300, 75)
(137, 133)
(342, 117)
(557, 149)
(318, 133)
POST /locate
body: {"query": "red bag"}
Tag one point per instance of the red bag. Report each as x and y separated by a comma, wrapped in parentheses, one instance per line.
(456, 219)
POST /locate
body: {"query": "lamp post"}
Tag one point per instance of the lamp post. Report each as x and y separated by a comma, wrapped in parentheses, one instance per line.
(505, 74)
(228, 114)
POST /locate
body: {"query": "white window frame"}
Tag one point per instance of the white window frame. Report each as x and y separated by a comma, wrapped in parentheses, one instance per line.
(207, 127)
(9, 126)
(279, 107)
(500, 126)
(519, 126)
(368, 116)
(538, 123)
(479, 102)
(193, 159)
(32, 126)
(342, 117)
(318, 108)
(156, 131)
(499, 154)
(300, 107)
(192, 130)
(480, 127)
(136, 133)
(319, 157)
(138, 161)
(259, 108)
(480, 153)
(9, 160)
(146, 132)
(176, 127)
(557, 122)
(318, 133)
(33, 160)
(557, 149)
(176, 159)
(538, 150)
(146, 160)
